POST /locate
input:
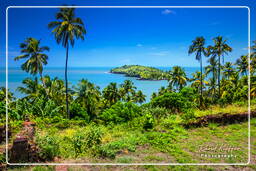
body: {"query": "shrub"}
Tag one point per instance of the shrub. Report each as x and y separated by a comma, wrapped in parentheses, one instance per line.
(93, 136)
(78, 112)
(148, 121)
(157, 112)
(48, 145)
(188, 116)
(78, 141)
(176, 102)
(121, 112)
(171, 122)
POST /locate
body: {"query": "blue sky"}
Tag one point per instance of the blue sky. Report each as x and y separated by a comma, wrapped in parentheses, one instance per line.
(154, 37)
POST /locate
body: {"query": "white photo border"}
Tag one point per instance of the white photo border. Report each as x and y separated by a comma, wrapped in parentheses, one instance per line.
(130, 164)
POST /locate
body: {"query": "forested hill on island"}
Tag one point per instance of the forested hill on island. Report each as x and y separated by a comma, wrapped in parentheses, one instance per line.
(141, 72)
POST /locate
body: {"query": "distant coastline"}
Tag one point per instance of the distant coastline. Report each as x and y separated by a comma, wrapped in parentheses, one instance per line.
(141, 72)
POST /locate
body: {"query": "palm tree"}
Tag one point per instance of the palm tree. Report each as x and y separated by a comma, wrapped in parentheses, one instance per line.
(154, 95)
(177, 77)
(127, 90)
(32, 50)
(212, 68)
(55, 90)
(219, 49)
(66, 29)
(88, 95)
(197, 79)
(111, 93)
(31, 88)
(140, 97)
(198, 48)
(3, 95)
(242, 64)
(228, 70)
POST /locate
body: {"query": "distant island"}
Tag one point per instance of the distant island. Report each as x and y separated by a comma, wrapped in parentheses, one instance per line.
(141, 72)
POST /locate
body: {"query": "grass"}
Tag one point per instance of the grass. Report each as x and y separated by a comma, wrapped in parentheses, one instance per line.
(167, 142)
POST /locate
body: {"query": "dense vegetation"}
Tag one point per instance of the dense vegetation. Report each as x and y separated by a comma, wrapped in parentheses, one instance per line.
(141, 72)
(83, 121)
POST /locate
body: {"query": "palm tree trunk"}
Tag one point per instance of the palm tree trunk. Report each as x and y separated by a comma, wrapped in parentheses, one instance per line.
(201, 78)
(219, 77)
(66, 80)
(41, 76)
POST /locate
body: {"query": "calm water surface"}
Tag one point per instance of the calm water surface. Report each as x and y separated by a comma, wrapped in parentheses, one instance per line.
(98, 75)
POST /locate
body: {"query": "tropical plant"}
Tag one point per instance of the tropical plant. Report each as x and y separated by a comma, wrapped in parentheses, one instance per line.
(31, 88)
(177, 77)
(219, 49)
(111, 94)
(197, 80)
(242, 64)
(127, 90)
(120, 112)
(66, 29)
(3, 96)
(89, 96)
(198, 48)
(228, 70)
(32, 50)
(139, 97)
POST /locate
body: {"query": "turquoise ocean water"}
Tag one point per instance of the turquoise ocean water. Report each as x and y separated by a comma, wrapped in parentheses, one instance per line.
(98, 75)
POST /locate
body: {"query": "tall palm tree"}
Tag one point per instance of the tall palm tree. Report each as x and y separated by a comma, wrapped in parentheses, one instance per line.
(198, 48)
(66, 29)
(219, 49)
(212, 68)
(32, 50)
(177, 77)
(242, 64)
(111, 93)
(88, 95)
(228, 70)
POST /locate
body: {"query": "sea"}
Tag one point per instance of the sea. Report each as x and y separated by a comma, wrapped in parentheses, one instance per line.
(97, 75)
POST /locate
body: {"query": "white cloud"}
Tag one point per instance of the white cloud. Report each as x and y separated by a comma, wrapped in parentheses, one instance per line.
(167, 11)
(139, 45)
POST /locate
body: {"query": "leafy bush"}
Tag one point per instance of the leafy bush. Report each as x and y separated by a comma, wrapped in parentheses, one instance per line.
(157, 112)
(188, 116)
(93, 136)
(148, 122)
(121, 112)
(171, 122)
(48, 145)
(176, 102)
(78, 112)
(125, 143)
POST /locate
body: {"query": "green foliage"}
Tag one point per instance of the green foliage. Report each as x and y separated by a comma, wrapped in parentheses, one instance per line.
(49, 146)
(78, 112)
(142, 72)
(125, 143)
(176, 102)
(93, 136)
(120, 112)
(43, 168)
(148, 121)
(157, 112)
(188, 116)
